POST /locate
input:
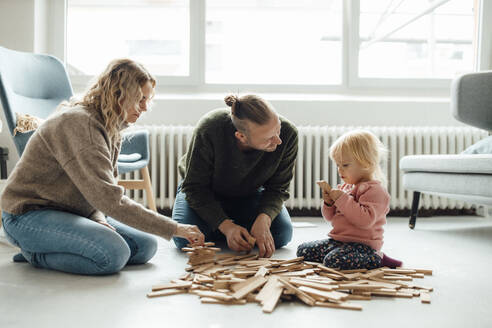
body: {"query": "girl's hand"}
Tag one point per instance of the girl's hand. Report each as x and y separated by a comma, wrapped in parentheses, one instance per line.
(335, 194)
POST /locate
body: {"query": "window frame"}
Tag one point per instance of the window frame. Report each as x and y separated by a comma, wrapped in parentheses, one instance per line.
(350, 81)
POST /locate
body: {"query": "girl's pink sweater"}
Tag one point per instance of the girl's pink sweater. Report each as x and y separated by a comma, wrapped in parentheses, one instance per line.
(359, 214)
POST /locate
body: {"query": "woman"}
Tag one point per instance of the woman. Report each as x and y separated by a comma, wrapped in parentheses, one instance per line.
(57, 197)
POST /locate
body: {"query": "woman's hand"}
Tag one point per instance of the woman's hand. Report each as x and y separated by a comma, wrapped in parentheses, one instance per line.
(191, 233)
(105, 223)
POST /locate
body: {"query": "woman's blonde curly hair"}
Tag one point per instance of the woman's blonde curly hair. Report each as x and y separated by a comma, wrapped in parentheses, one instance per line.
(122, 80)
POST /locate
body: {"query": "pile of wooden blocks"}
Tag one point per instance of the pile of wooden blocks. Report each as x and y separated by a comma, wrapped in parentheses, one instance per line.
(238, 279)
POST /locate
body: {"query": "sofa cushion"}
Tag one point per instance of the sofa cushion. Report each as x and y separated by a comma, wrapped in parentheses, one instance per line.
(473, 188)
(461, 163)
(484, 146)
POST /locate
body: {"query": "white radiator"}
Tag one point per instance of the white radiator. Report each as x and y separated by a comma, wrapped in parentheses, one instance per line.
(169, 143)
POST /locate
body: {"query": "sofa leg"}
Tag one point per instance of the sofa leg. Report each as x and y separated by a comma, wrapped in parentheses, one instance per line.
(415, 209)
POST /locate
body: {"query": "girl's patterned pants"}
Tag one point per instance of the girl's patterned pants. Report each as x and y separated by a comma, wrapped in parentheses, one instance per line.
(339, 255)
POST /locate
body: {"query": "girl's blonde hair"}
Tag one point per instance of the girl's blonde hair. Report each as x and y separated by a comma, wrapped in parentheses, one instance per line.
(122, 80)
(249, 108)
(365, 148)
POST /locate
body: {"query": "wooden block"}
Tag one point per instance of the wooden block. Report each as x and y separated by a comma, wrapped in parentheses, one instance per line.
(166, 292)
(361, 292)
(392, 282)
(262, 271)
(426, 272)
(210, 300)
(270, 300)
(299, 293)
(376, 273)
(251, 241)
(344, 305)
(428, 289)
(425, 297)
(267, 288)
(176, 284)
(332, 271)
(200, 278)
(367, 287)
(391, 293)
(255, 263)
(317, 285)
(209, 243)
(331, 275)
(302, 273)
(246, 257)
(291, 266)
(353, 276)
(297, 259)
(358, 297)
(317, 279)
(203, 267)
(244, 274)
(221, 284)
(414, 292)
(200, 261)
(416, 275)
(354, 271)
(251, 297)
(213, 294)
(397, 277)
(399, 271)
(186, 276)
(214, 270)
(253, 283)
(384, 284)
(327, 295)
(278, 270)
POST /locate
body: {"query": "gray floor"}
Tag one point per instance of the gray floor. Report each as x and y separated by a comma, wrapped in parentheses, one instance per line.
(458, 249)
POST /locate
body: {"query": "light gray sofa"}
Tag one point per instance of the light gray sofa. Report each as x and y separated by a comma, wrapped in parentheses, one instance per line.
(466, 176)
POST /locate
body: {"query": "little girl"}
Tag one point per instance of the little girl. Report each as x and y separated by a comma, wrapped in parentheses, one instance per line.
(357, 209)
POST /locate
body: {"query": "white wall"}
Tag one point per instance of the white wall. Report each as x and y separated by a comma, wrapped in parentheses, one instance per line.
(25, 26)
(314, 110)
(16, 32)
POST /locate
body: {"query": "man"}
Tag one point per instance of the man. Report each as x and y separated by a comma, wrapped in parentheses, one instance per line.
(237, 173)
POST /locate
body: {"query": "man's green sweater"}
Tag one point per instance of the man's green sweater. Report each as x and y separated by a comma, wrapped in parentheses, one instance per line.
(215, 167)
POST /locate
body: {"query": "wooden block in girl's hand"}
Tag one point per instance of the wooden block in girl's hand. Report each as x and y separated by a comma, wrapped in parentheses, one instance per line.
(324, 185)
(251, 241)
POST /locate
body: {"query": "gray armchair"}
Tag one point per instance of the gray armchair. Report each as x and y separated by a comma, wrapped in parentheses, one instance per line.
(466, 176)
(35, 84)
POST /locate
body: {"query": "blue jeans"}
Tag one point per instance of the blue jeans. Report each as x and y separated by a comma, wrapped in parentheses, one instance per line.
(71, 243)
(243, 211)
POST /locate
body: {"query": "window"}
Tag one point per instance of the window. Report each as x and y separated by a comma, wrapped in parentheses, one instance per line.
(415, 39)
(301, 44)
(155, 33)
(274, 41)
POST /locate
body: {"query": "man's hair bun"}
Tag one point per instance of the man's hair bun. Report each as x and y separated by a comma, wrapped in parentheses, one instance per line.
(231, 100)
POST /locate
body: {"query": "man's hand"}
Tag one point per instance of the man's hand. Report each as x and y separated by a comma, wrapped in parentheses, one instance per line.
(237, 236)
(191, 233)
(264, 239)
